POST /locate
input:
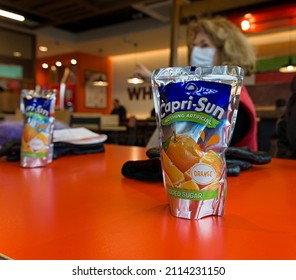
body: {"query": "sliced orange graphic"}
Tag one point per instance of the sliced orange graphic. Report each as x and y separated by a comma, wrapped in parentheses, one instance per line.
(189, 185)
(174, 174)
(29, 133)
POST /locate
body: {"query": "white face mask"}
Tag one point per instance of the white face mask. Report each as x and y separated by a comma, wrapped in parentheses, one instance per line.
(202, 56)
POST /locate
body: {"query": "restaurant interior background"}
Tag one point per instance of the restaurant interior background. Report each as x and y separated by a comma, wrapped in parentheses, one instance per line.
(90, 39)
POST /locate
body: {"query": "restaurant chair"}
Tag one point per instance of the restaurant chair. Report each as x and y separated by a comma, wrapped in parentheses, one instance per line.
(149, 129)
(132, 131)
(89, 121)
(110, 125)
(108, 121)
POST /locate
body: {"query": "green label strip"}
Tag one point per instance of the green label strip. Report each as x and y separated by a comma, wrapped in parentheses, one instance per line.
(34, 155)
(192, 195)
(36, 116)
(190, 116)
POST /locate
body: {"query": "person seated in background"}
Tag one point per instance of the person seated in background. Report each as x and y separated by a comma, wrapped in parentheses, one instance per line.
(280, 105)
(119, 110)
(286, 128)
(217, 41)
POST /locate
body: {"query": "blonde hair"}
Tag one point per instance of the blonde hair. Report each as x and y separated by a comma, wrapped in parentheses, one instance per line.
(233, 46)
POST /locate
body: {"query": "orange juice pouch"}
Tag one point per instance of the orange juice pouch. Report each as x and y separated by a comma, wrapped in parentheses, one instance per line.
(196, 109)
(38, 109)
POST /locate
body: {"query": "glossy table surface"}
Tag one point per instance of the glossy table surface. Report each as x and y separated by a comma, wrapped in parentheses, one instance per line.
(81, 207)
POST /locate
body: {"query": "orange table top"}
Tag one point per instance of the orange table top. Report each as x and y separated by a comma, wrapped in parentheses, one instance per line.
(81, 207)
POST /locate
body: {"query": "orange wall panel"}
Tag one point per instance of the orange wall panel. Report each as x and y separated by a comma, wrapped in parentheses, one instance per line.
(46, 79)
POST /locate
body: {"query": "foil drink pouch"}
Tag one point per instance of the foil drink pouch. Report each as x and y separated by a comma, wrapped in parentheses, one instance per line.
(196, 109)
(37, 138)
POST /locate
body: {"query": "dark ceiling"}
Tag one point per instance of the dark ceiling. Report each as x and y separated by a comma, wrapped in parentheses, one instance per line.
(83, 15)
(115, 25)
(74, 15)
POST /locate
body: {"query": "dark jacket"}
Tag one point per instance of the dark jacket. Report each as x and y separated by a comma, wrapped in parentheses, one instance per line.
(121, 112)
(286, 128)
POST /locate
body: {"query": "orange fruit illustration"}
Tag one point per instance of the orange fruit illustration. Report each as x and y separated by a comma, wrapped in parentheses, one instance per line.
(29, 133)
(213, 159)
(25, 148)
(183, 151)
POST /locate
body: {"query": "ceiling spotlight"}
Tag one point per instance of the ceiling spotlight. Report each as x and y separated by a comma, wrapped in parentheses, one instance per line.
(17, 54)
(44, 65)
(245, 25)
(58, 64)
(43, 48)
(247, 22)
(73, 61)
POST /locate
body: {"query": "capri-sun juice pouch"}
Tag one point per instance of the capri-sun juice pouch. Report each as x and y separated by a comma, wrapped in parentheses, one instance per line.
(196, 109)
(38, 108)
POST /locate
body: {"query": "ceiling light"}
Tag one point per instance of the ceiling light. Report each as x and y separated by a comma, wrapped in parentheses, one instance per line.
(136, 78)
(43, 48)
(290, 67)
(73, 61)
(58, 64)
(11, 15)
(100, 82)
(17, 54)
(247, 22)
(44, 65)
(245, 25)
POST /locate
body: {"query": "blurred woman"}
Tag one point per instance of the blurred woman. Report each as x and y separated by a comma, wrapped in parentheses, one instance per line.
(217, 41)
